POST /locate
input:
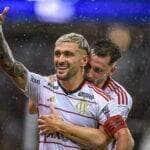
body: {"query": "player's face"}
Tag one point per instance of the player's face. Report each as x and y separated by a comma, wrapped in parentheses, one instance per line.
(99, 69)
(68, 60)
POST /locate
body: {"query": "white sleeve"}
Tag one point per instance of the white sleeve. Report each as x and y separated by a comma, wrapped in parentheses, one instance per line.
(125, 109)
(33, 86)
(109, 110)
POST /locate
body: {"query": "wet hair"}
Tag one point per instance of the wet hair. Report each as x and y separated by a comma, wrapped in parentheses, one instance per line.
(105, 47)
(76, 38)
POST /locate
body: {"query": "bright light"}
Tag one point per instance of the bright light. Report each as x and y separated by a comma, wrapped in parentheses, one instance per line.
(120, 35)
(71, 2)
(35, 0)
(53, 11)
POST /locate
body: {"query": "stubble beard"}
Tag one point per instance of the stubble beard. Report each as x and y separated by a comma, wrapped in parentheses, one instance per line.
(67, 76)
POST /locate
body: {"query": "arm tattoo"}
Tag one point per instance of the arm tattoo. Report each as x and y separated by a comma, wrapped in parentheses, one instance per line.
(15, 69)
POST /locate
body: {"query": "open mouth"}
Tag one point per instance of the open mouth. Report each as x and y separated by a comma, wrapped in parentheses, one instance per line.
(61, 68)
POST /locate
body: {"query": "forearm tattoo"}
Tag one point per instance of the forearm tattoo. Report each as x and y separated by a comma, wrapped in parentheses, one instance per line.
(14, 68)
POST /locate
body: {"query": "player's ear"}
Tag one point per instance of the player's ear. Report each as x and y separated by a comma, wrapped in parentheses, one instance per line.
(113, 69)
(85, 60)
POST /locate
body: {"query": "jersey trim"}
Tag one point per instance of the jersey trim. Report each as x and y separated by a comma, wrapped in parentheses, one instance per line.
(100, 92)
(73, 91)
(122, 95)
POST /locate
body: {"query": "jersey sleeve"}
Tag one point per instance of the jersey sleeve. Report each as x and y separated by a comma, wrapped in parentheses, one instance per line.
(33, 86)
(111, 119)
(109, 110)
(125, 109)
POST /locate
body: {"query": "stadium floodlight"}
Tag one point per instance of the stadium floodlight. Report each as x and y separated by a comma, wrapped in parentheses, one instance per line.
(53, 11)
(35, 0)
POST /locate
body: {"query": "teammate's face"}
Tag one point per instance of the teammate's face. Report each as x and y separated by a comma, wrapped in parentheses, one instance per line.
(69, 60)
(99, 69)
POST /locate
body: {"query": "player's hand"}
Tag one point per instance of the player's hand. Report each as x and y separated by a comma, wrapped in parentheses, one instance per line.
(49, 124)
(3, 14)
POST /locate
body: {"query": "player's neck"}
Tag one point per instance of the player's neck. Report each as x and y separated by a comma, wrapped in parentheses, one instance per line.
(101, 83)
(73, 83)
(104, 83)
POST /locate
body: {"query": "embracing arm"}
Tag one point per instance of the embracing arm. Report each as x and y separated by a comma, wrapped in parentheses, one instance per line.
(86, 137)
(13, 68)
(97, 138)
(124, 139)
(90, 137)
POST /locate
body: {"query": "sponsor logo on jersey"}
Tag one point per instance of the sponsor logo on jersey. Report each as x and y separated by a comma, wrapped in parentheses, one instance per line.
(106, 111)
(58, 136)
(86, 95)
(82, 107)
(53, 86)
(34, 80)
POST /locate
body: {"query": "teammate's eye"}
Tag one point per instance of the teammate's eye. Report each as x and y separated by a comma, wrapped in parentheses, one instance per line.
(98, 70)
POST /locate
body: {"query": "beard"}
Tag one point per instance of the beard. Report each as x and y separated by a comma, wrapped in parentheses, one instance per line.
(66, 71)
(98, 81)
(95, 81)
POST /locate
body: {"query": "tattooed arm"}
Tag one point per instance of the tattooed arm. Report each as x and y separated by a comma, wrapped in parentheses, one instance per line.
(13, 68)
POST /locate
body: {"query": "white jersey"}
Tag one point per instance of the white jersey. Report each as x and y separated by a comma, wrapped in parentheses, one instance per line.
(87, 106)
(121, 97)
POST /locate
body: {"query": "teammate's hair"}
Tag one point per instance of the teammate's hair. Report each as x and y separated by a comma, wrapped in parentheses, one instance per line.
(104, 48)
(76, 38)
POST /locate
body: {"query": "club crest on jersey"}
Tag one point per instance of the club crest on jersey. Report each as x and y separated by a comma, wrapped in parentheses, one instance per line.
(82, 107)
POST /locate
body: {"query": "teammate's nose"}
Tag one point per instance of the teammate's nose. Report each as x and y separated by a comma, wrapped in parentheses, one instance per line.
(89, 74)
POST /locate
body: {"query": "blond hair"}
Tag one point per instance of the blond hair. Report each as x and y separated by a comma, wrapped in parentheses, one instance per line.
(76, 38)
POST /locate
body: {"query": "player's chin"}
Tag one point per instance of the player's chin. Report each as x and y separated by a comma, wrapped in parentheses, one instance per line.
(62, 71)
(89, 79)
(61, 76)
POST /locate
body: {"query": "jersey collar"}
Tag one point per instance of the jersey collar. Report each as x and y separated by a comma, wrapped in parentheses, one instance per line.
(73, 91)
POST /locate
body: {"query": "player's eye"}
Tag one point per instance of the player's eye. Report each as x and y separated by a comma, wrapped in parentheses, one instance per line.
(97, 70)
(57, 53)
(68, 54)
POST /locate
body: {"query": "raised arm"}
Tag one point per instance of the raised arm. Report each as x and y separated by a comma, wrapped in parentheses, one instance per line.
(13, 68)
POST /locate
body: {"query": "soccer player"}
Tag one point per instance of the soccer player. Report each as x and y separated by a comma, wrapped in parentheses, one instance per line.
(78, 102)
(102, 65)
